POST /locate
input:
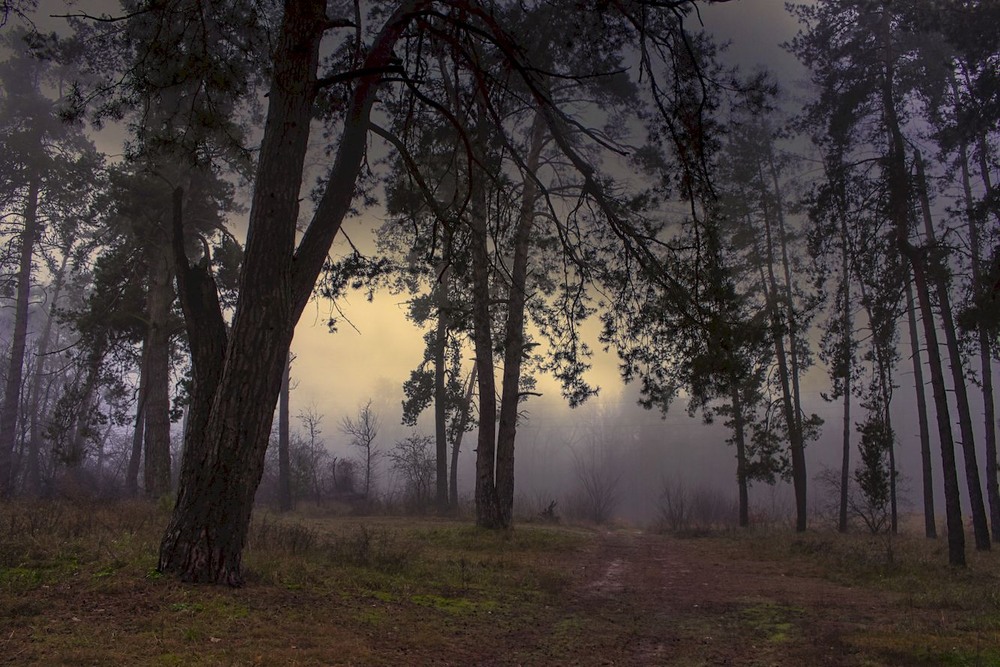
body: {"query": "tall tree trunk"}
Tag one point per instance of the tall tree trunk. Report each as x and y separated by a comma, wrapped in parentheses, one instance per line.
(790, 405)
(238, 377)
(886, 383)
(487, 500)
(899, 212)
(159, 297)
(33, 480)
(459, 434)
(440, 399)
(927, 477)
(980, 523)
(18, 342)
(135, 456)
(513, 349)
(983, 339)
(284, 435)
(739, 435)
(847, 363)
(952, 503)
(76, 451)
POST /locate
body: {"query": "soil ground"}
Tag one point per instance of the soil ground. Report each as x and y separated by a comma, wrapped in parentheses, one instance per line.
(440, 592)
(681, 602)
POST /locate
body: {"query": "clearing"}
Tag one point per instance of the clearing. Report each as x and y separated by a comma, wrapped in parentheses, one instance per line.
(77, 586)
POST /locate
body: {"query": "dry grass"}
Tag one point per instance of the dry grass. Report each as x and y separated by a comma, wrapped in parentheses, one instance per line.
(78, 586)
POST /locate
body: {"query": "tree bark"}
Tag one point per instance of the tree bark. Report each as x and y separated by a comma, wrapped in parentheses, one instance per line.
(739, 434)
(135, 456)
(230, 418)
(980, 523)
(440, 399)
(899, 212)
(159, 297)
(983, 340)
(33, 480)
(847, 363)
(459, 434)
(927, 477)
(514, 329)
(487, 501)
(796, 444)
(19, 337)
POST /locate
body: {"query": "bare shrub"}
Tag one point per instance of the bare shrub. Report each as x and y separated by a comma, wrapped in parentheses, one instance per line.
(363, 431)
(597, 475)
(375, 548)
(700, 509)
(413, 460)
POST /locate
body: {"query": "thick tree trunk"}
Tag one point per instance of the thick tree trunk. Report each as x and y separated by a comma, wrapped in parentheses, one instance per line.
(223, 457)
(513, 350)
(237, 389)
(159, 297)
(19, 336)
(927, 477)
(284, 435)
(980, 523)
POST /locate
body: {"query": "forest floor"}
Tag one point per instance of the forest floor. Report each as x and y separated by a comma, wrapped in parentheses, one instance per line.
(78, 586)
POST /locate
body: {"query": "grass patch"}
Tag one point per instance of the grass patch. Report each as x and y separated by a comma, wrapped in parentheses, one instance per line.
(770, 622)
(78, 585)
(946, 615)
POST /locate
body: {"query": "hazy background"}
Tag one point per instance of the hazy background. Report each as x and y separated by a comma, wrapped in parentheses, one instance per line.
(335, 373)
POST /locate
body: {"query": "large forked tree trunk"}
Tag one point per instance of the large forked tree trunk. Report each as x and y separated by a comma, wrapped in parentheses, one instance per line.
(237, 377)
(18, 343)
(980, 523)
(513, 347)
(927, 477)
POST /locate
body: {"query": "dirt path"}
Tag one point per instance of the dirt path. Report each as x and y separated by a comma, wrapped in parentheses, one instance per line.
(649, 600)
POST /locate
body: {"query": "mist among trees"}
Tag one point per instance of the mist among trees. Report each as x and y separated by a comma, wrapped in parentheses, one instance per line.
(533, 185)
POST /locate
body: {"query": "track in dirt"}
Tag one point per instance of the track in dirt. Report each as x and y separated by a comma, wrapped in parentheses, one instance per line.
(643, 599)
